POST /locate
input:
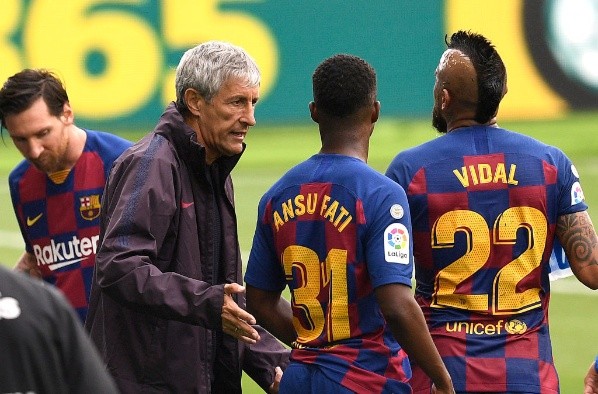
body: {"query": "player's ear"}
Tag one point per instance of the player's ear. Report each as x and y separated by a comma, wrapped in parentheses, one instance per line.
(376, 111)
(67, 115)
(193, 101)
(445, 99)
(313, 111)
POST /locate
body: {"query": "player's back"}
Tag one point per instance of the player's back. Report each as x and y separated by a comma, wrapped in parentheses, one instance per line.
(484, 203)
(332, 229)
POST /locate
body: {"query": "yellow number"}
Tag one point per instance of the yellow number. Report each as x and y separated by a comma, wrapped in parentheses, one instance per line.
(65, 35)
(505, 297)
(311, 277)
(11, 59)
(475, 229)
(187, 23)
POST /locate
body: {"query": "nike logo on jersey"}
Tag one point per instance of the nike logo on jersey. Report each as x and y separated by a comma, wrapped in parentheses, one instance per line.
(186, 204)
(54, 267)
(32, 221)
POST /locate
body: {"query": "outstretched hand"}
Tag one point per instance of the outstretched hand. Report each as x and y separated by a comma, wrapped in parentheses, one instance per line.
(237, 322)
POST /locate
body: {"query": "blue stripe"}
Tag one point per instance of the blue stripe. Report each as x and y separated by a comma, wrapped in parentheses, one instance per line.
(140, 179)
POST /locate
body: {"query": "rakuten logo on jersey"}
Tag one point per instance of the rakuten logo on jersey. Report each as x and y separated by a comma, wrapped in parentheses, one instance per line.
(60, 254)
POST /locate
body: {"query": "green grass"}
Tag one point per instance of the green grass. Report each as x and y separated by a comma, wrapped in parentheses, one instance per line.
(273, 149)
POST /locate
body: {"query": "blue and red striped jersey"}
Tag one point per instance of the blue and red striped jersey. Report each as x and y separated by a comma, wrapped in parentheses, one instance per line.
(60, 222)
(333, 229)
(484, 203)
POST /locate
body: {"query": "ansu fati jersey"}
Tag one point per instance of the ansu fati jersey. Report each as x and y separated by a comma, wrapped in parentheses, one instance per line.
(60, 222)
(484, 203)
(333, 230)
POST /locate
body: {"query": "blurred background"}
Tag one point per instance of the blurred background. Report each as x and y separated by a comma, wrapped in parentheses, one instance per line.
(117, 60)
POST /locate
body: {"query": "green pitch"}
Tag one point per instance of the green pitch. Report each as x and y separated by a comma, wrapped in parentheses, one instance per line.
(273, 149)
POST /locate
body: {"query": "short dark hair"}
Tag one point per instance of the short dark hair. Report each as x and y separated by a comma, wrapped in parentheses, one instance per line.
(490, 70)
(21, 90)
(342, 84)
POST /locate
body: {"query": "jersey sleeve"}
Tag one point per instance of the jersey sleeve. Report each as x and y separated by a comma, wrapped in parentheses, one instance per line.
(571, 197)
(389, 246)
(263, 268)
(571, 200)
(397, 171)
(13, 186)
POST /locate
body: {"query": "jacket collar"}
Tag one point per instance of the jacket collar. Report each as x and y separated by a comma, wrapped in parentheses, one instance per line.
(173, 127)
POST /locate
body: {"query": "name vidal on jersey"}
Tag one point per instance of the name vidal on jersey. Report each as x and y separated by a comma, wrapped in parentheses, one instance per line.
(337, 214)
(484, 173)
(63, 252)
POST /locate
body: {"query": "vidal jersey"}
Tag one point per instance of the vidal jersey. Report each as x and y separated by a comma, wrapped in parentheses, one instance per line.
(333, 229)
(484, 204)
(60, 222)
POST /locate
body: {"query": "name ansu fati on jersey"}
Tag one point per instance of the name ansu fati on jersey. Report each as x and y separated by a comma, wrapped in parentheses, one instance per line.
(483, 173)
(311, 203)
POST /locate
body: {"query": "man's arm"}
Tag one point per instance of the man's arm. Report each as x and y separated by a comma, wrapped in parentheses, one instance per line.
(272, 312)
(580, 243)
(136, 249)
(28, 265)
(409, 328)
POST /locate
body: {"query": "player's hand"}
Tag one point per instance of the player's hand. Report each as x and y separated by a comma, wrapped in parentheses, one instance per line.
(237, 322)
(273, 389)
(27, 264)
(591, 381)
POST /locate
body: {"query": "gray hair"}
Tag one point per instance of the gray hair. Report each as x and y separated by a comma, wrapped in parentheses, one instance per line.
(207, 66)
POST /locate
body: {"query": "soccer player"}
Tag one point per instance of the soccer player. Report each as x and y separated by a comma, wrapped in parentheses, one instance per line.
(487, 205)
(44, 346)
(338, 234)
(56, 191)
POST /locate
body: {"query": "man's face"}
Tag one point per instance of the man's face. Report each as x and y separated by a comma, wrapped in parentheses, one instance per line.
(42, 138)
(225, 120)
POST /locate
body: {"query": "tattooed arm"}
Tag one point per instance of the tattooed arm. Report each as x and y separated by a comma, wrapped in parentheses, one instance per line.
(580, 242)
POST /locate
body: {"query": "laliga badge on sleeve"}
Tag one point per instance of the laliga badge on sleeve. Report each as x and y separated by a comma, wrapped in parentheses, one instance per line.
(396, 244)
(577, 195)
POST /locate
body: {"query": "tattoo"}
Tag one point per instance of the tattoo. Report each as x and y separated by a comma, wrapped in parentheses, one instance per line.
(577, 234)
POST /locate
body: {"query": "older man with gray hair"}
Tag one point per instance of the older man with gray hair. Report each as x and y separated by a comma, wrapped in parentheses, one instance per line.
(167, 304)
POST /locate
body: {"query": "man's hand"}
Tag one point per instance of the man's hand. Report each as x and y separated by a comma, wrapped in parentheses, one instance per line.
(237, 322)
(273, 389)
(27, 264)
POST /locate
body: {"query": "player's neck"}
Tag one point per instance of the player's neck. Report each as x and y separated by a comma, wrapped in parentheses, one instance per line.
(77, 141)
